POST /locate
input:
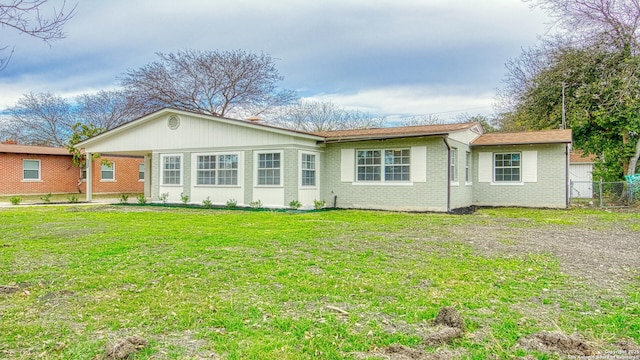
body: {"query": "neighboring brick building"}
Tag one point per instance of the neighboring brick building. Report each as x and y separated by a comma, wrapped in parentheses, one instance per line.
(28, 170)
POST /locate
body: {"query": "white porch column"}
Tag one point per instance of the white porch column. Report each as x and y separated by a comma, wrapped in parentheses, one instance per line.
(89, 170)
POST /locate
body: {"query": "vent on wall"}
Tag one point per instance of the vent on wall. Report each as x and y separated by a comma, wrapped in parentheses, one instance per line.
(173, 122)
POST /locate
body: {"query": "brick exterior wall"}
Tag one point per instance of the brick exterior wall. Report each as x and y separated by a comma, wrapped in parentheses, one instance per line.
(126, 170)
(58, 175)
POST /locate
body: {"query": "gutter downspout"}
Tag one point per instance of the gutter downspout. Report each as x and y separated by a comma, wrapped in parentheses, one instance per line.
(567, 187)
(446, 143)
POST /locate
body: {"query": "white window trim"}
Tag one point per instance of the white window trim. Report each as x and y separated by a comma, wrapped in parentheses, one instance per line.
(113, 169)
(39, 179)
(256, 156)
(453, 167)
(382, 165)
(194, 172)
(493, 169)
(143, 172)
(468, 167)
(316, 169)
(162, 157)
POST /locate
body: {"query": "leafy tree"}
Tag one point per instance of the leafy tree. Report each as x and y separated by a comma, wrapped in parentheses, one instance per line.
(315, 116)
(587, 78)
(25, 17)
(237, 83)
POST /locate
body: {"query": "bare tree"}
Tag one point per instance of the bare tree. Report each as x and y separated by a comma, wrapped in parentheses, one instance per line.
(313, 116)
(41, 119)
(210, 82)
(25, 16)
(106, 110)
(617, 21)
(428, 119)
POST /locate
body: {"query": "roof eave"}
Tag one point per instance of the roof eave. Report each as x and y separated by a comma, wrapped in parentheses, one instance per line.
(379, 137)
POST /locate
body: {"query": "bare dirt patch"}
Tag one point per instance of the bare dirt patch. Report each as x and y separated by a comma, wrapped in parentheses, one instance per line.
(556, 342)
(605, 259)
(123, 348)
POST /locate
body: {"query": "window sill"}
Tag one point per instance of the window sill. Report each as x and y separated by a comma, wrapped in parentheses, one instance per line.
(32, 180)
(507, 183)
(454, 183)
(171, 185)
(468, 183)
(381, 183)
(218, 186)
(308, 187)
(269, 186)
(108, 181)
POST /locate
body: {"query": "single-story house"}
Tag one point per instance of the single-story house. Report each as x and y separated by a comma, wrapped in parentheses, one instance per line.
(42, 170)
(414, 168)
(580, 174)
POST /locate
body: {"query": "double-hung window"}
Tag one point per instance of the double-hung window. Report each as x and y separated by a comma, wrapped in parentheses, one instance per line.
(31, 169)
(308, 166)
(171, 170)
(141, 172)
(217, 170)
(453, 163)
(371, 167)
(269, 166)
(467, 167)
(107, 171)
(507, 167)
(396, 165)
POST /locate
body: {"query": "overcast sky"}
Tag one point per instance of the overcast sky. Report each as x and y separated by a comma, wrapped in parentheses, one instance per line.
(394, 58)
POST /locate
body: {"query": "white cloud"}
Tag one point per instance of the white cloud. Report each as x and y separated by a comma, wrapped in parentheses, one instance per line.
(404, 101)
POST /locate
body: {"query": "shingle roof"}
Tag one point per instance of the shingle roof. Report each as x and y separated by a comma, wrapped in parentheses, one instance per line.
(391, 132)
(527, 137)
(28, 149)
(577, 156)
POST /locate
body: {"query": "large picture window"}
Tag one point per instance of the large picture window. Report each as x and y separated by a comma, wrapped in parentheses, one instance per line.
(371, 167)
(217, 170)
(31, 169)
(308, 166)
(171, 170)
(269, 166)
(507, 167)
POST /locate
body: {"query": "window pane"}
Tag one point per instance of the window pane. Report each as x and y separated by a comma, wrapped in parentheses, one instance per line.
(269, 169)
(308, 175)
(106, 172)
(507, 167)
(401, 170)
(171, 170)
(141, 171)
(31, 169)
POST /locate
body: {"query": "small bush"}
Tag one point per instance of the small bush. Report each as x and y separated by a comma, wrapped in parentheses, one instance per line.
(256, 204)
(184, 198)
(46, 198)
(15, 200)
(319, 204)
(232, 203)
(124, 198)
(141, 199)
(207, 202)
(295, 204)
(164, 197)
(73, 199)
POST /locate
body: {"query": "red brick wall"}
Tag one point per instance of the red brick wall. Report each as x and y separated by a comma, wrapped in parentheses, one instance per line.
(58, 175)
(126, 176)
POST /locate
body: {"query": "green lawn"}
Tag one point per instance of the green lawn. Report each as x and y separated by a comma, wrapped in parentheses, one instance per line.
(203, 283)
